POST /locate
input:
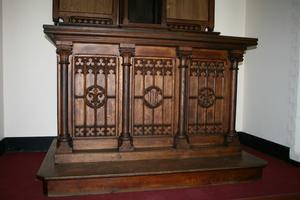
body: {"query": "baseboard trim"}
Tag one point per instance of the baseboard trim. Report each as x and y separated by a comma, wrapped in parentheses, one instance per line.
(270, 148)
(2, 148)
(25, 144)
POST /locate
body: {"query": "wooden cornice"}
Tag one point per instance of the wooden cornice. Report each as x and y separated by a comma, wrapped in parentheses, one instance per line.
(147, 37)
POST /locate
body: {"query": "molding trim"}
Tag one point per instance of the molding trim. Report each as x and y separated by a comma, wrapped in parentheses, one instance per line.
(270, 148)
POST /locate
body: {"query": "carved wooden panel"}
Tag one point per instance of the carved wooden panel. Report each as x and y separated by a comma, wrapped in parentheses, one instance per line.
(206, 96)
(190, 15)
(188, 9)
(95, 96)
(86, 12)
(87, 6)
(153, 96)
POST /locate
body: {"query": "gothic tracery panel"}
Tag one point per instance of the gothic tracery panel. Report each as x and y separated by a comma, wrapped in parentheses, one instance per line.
(206, 96)
(153, 94)
(95, 96)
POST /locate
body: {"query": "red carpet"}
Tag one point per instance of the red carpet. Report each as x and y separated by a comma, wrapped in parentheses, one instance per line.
(18, 181)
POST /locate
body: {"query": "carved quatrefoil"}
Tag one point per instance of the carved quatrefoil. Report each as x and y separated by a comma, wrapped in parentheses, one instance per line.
(206, 97)
(95, 96)
(153, 97)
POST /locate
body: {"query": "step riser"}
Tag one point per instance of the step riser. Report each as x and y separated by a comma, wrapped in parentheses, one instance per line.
(146, 155)
(149, 182)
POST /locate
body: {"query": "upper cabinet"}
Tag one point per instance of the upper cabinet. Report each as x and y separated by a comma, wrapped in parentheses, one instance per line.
(175, 15)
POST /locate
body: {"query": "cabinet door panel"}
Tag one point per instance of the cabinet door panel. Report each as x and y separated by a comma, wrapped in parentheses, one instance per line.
(188, 9)
(87, 6)
(208, 82)
(153, 96)
(95, 96)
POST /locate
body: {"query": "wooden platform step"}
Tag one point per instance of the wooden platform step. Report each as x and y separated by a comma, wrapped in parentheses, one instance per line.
(140, 175)
(147, 154)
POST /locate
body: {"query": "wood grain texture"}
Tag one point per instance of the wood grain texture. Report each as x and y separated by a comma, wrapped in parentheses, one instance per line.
(148, 182)
(149, 37)
(64, 51)
(190, 15)
(86, 12)
(188, 9)
(87, 6)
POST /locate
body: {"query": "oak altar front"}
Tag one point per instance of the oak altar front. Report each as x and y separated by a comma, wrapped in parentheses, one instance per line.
(144, 101)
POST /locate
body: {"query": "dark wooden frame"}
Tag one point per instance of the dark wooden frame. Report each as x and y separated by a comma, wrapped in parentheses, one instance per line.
(125, 21)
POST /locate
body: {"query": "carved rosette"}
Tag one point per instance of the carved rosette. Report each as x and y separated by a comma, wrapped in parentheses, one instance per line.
(95, 96)
(206, 97)
(153, 97)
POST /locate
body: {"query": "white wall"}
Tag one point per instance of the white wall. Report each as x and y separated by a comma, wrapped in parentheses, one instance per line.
(29, 63)
(1, 79)
(294, 111)
(269, 69)
(230, 20)
(29, 69)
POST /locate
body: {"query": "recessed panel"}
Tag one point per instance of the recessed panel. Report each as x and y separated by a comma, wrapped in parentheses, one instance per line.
(95, 96)
(87, 6)
(188, 9)
(206, 96)
(153, 96)
(144, 11)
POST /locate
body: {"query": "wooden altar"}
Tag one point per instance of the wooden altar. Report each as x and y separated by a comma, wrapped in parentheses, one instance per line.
(144, 102)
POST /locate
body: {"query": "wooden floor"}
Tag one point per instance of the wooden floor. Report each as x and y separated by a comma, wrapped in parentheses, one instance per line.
(141, 175)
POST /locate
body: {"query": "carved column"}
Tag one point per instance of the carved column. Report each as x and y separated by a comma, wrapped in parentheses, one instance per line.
(64, 140)
(181, 139)
(127, 51)
(235, 57)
